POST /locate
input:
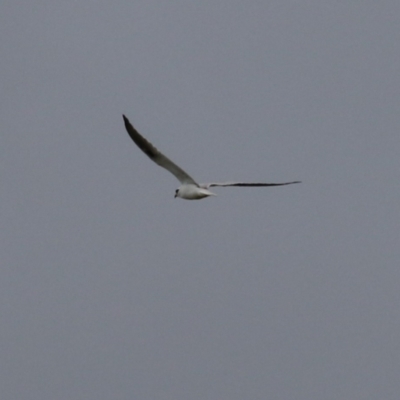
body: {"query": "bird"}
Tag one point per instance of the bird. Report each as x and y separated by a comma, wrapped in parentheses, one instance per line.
(189, 188)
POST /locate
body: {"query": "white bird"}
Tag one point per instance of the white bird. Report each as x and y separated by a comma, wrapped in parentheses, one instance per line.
(189, 189)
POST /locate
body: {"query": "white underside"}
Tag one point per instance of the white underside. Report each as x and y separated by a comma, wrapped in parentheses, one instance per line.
(192, 192)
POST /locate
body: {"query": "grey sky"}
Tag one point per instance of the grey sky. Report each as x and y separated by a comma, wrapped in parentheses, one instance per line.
(111, 288)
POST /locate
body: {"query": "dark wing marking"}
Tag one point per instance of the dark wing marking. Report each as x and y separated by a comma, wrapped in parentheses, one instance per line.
(154, 154)
(245, 184)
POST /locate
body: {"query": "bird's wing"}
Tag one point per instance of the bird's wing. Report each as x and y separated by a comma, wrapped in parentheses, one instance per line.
(246, 184)
(156, 155)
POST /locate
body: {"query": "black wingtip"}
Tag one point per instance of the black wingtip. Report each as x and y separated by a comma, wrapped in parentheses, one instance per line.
(128, 125)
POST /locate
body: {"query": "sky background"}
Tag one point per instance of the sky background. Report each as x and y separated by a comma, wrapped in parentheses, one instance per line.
(112, 289)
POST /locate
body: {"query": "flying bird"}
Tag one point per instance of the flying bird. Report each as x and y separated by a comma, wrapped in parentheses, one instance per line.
(189, 189)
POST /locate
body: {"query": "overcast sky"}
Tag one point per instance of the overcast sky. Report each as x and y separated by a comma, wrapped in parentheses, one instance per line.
(112, 289)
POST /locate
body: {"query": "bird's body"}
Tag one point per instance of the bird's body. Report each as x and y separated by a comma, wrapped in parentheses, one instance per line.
(189, 189)
(192, 192)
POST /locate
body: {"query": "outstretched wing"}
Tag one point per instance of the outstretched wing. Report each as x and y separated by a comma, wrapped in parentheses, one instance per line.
(247, 184)
(156, 155)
